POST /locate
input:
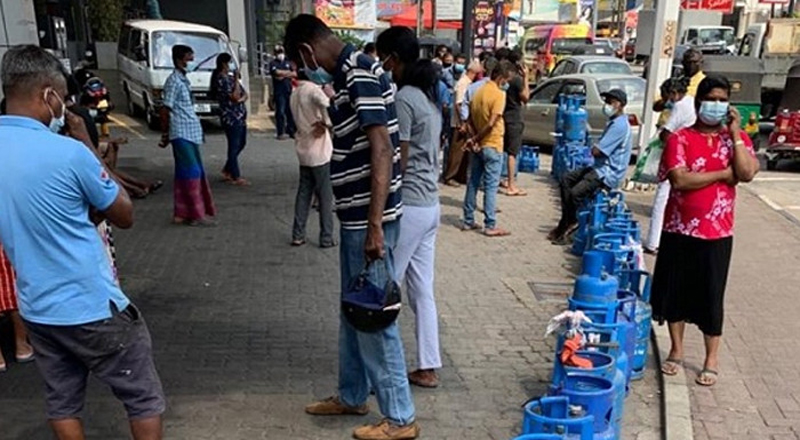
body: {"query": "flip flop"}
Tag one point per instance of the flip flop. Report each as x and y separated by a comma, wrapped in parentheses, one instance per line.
(707, 377)
(496, 232)
(27, 358)
(517, 193)
(297, 243)
(675, 364)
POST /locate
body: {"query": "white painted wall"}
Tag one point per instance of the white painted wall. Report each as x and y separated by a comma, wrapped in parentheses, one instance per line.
(17, 25)
(237, 31)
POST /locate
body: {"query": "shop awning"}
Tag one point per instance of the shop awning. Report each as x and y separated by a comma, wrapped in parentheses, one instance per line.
(409, 18)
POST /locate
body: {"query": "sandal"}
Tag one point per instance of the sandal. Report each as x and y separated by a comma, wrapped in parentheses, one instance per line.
(496, 232)
(517, 193)
(707, 377)
(671, 367)
(297, 243)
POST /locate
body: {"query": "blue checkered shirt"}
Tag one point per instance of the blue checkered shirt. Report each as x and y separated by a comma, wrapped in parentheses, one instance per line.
(183, 121)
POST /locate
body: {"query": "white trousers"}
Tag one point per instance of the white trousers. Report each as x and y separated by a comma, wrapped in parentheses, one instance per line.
(414, 258)
(657, 216)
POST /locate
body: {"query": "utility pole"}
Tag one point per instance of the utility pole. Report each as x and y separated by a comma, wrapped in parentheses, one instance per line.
(660, 61)
(466, 27)
(433, 16)
(420, 13)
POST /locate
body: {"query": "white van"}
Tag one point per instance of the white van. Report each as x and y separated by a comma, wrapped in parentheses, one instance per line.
(144, 57)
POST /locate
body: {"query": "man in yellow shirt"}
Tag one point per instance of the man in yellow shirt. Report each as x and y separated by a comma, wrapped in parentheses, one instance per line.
(486, 118)
(693, 69)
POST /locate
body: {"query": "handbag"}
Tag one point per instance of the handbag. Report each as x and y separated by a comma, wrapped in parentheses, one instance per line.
(369, 306)
(647, 165)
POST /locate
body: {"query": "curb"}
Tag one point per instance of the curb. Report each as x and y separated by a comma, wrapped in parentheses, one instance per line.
(676, 412)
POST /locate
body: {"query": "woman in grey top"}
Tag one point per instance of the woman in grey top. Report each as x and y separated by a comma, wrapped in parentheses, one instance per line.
(420, 126)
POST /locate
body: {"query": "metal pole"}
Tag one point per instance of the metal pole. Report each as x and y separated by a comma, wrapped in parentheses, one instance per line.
(420, 12)
(466, 28)
(433, 16)
(595, 12)
(660, 61)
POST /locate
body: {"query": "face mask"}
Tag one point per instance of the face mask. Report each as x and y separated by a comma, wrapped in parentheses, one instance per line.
(191, 66)
(459, 68)
(319, 75)
(609, 110)
(713, 112)
(446, 65)
(56, 124)
(93, 113)
(389, 74)
(504, 87)
(669, 105)
(281, 57)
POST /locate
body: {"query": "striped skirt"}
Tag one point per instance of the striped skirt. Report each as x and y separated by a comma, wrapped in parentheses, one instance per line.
(8, 289)
(192, 193)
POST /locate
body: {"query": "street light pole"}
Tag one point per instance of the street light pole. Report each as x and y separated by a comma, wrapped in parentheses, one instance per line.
(660, 62)
(466, 27)
(420, 13)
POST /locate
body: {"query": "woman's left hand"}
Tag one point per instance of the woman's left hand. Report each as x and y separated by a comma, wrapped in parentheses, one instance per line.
(734, 119)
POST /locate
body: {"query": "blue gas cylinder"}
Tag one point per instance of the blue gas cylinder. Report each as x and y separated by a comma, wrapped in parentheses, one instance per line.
(605, 338)
(594, 395)
(555, 415)
(603, 365)
(580, 239)
(595, 286)
(575, 124)
(540, 437)
(528, 159)
(644, 316)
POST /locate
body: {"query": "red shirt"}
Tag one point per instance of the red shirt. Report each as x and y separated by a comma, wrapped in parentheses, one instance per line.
(707, 212)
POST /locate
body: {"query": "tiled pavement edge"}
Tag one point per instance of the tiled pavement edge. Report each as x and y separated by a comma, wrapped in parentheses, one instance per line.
(245, 327)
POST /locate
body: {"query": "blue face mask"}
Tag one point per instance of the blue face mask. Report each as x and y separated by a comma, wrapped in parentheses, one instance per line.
(713, 113)
(505, 87)
(319, 75)
(669, 105)
(459, 68)
(609, 110)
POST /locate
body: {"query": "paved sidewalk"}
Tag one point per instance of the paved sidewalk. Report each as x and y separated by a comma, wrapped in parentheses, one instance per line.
(758, 393)
(245, 327)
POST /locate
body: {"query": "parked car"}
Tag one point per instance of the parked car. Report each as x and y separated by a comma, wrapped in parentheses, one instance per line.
(614, 43)
(144, 56)
(591, 64)
(540, 112)
(594, 49)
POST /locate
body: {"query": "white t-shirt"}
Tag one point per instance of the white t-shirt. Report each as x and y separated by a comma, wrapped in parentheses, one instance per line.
(682, 115)
(309, 105)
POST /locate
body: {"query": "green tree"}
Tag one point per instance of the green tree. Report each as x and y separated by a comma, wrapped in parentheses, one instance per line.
(106, 17)
(348, 37)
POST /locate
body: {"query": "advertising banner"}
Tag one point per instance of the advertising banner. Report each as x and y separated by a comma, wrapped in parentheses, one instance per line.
(340, 14)
(724, 6)
(540, 10)
(388, 8)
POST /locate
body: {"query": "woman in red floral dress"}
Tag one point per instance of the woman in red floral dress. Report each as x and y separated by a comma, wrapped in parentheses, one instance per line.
(8, 304)
(704, 163)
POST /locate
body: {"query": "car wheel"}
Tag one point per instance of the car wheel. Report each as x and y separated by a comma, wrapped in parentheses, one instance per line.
(129, 105)
(150, 117)
(772, 165)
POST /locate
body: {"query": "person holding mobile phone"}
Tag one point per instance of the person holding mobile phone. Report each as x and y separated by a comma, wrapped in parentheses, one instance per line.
(703, 164)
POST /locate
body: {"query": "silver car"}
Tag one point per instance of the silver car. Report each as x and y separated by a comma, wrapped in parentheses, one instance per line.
(590, 64)
(540, 112)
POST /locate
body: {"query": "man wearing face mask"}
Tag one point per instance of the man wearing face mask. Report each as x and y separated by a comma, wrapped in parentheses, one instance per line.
(78, 319)
(366, 178)
(486, 145)
(282, 74)
(612, 153)
(460, 66)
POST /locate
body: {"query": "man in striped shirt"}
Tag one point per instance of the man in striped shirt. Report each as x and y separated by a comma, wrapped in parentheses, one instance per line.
(365, 172)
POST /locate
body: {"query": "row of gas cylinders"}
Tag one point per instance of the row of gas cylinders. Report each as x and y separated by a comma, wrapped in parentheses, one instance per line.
(573, 148)
(588, 403)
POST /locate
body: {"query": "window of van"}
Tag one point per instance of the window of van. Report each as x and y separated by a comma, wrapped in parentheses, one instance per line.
(562, 46)
(206, 47)
(634, 87)
(533, 45)
(124, 41)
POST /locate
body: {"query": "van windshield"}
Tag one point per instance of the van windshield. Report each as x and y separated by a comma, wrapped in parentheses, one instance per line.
(563, 46)
(205, 46)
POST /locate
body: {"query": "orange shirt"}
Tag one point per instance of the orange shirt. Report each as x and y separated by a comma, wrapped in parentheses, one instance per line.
(489, 100)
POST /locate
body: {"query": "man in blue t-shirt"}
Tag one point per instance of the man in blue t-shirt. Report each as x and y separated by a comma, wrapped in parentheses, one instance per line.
(282, 74)
(612, 153)
(51, 189)
(366, 178)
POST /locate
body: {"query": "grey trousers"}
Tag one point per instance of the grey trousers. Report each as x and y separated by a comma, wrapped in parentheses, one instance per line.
(314, 180)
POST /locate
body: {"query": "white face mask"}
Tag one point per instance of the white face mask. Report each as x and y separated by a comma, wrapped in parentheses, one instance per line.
(93, 113)
(56, 123)
(281, 57)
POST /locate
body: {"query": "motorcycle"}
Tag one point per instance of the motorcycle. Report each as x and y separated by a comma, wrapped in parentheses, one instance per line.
(96, 97)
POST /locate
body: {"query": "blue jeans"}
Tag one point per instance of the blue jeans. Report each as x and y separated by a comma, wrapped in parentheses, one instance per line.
(372, 360)
(237, 140)
(284, 122)
(484, 167)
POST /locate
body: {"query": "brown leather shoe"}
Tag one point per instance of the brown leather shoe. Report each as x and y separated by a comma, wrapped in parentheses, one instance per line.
(424, 378)
(333, 407)
(385, 430)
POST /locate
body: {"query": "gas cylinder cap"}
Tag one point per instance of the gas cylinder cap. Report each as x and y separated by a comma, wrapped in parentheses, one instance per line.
(576, 411)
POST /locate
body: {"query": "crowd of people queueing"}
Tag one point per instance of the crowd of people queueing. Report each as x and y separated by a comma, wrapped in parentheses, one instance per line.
(369, 133)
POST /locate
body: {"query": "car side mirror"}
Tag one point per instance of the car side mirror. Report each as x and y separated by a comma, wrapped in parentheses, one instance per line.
(241, 51)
